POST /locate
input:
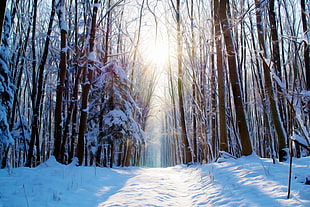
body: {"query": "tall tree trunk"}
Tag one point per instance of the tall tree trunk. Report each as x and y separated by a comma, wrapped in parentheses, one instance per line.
(61, 82)
(213, 117)
(194, 82)
(235, 83)
(17, 76)
(174, 124)
(186, 147)
(307, 45)
(88, 78)
(73, 110)
(107, 34)
(136, 47)
(34, 137)
(275, 57)
(221, 78)
(269, 88)
(266, 142)
(2, 15)
(70, 120)
(37, 108)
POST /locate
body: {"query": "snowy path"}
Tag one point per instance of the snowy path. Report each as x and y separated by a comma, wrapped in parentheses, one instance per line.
(247, 181)
(160, 187)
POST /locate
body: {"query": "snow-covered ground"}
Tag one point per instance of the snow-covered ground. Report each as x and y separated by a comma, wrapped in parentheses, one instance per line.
(247, 181)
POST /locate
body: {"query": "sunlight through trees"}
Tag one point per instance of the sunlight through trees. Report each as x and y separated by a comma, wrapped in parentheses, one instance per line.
(117, 82)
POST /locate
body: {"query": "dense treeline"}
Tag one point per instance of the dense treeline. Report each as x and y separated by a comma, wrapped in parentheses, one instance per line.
(74, 82)
(246, 76)
(68, 61)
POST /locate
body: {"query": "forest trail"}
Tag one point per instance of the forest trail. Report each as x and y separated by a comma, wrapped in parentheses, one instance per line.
(177, 186)
(247, 181)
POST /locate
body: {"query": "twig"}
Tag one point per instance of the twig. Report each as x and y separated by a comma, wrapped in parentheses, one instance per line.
(26, 195)
(290, 170)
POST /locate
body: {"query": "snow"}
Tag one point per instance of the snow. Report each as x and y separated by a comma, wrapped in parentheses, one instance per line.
(62, 21)
(6, 89)
(116, 117)
(247, 181)
(251, 181)
(300, 139)
(306, 93)
(111, 67)
(92, 56)
(5, 135)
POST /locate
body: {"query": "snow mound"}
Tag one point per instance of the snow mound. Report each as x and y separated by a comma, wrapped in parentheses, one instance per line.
(51, 162)
(253, 181)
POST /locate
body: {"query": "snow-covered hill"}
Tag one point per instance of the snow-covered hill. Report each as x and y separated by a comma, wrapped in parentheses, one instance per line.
(248, 181)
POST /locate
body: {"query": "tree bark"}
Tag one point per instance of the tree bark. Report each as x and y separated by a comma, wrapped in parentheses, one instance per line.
(268, 86)
(194, 82)
(307, 45)
(235, 83)
(221, 79)
(60, 84)
(34, 138)
(186, 147)
(88, 78)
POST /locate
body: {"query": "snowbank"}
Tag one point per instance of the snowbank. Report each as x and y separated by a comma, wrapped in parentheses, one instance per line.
(248, 181)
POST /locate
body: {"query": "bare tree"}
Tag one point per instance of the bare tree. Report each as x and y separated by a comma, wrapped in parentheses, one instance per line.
(234, 79)
(87, 81)
(221, 78)
(307, 46)
(269, 86)
(188, 153)
(61, 80)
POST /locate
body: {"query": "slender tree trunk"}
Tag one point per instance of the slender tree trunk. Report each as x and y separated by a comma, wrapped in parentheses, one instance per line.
(70, 118)
(107, 34)
(174, 123)
(213, 117)
(186, 147)
(111, 154)
(70, 121)
(34, 137)
(235, 83)
(194, 82)
(88, 78)
(127, 153)
(61, 83)
(2, 15)
(19, 73)
(75, 93)
(269, 88)
(221, 78)
(307, 45)
(275, 57)
(136, 46)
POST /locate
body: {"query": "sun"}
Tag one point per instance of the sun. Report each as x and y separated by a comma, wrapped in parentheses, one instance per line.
(156, 53)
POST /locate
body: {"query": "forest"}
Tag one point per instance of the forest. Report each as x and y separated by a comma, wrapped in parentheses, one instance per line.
(99, 80)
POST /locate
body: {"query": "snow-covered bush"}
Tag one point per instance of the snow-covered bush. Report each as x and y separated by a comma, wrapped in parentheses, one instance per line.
(112, 109)
(6, 94)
